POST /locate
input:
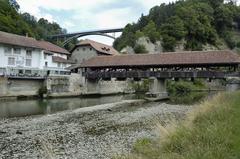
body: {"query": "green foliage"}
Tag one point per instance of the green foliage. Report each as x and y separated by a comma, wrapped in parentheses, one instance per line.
(198, 22)
(151, 32)
(211, 131)
(182, 92)
(183, 87)
(139, 34)
(25, 24)
(140, 49)
(168, 43)
(141, 86)
(43, 90)
(174, 27)
(228, 36)
(238, 44)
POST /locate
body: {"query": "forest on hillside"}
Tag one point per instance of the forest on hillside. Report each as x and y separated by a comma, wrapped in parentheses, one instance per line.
(12, 21)
(196, 22)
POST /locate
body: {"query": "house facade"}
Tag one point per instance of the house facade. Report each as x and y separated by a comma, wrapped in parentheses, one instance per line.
(24, 56)
(87, 49)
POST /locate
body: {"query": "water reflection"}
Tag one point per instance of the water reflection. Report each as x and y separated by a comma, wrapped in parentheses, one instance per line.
(49, 106)
(188, 98)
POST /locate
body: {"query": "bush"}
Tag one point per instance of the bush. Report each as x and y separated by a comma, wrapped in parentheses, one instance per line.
(42, 91)
(182, 92)
(228, 37)
(183, 87)
(141, 87)
(238, 44)
(140, 49)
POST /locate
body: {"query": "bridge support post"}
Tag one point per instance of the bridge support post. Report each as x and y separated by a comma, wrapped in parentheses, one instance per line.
(233, 84)
(92, 86)
(158, 86)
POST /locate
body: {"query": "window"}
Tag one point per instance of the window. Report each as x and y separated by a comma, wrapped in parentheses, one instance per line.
(46, 64)
(84, 49)
(17, 50)
(28, 62)
(7, 50)
(11, 61)
(28, 71)
(45, 56)
(59, 64)
(29, 53)
(90, 49)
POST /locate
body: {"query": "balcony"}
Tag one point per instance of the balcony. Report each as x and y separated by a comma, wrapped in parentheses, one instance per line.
(25, 73)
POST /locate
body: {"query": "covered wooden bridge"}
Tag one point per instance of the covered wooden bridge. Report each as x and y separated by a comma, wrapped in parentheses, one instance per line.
(194, 64)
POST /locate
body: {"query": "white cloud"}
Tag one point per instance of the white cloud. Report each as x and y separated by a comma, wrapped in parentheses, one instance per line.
(89, 14)
(68, 24)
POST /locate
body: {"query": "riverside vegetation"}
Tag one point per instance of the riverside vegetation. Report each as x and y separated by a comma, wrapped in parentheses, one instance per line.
(186, 92)
(211, 131)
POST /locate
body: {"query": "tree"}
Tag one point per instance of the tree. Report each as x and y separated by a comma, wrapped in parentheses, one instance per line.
(14, 4)
(151, 32)
(139, 34)
(168, 43)
(174, 27)
(197, 18)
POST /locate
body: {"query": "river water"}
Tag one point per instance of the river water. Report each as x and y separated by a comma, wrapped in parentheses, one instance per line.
(21, 108)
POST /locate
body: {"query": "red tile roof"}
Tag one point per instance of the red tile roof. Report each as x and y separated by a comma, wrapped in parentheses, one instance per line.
(165, 59)
(102, 48)
(17, 40)
(52, 47)
(13, 39)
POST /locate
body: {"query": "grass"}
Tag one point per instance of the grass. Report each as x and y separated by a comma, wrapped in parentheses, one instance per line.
(211, 131)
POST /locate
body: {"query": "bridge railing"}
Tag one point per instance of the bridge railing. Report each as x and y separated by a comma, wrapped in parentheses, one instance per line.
(158, 74)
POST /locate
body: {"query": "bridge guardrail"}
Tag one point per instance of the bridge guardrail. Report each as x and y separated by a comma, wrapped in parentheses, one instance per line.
(160, 74)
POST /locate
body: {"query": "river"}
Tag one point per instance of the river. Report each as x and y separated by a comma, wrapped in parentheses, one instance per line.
(75, 128)
(21, 108)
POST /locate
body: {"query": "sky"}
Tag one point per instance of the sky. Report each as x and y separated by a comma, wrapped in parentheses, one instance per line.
(82, 15)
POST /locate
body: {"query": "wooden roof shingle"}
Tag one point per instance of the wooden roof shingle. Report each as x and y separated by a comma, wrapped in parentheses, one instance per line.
(165, 59)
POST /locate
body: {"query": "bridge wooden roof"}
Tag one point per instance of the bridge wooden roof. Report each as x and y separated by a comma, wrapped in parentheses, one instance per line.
(193, 58)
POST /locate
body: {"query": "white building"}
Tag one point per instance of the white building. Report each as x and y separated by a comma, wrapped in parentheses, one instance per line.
(24, 56)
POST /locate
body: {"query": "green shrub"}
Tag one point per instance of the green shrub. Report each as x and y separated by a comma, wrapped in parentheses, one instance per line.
(141, 86)
(140, 49)
(183, 87)
(238, 44)
(42, 91)
(182, 92)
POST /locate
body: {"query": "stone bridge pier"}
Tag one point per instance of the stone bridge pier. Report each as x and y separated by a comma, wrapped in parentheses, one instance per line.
(93, 86)
(232, 83)
(158, 87)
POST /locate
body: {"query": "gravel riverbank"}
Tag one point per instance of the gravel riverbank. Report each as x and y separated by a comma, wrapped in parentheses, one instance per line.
(94, 132)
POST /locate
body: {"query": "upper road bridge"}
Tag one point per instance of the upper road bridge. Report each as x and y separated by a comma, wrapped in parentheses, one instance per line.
(102, 32)
(195, 64)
